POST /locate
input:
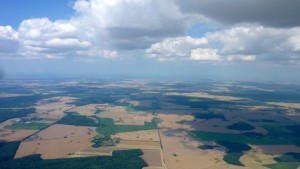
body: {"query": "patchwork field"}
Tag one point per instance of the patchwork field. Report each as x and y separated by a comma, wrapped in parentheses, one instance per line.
(123, 117)
(15, 135)
(204, 95)
(144, 135)
(156, 125)
(57, 141)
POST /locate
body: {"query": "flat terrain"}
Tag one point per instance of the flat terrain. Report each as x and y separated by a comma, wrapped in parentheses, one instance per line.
(57, 141)
(144, 135)
(123, 117)
(14, 135)
(157, 125)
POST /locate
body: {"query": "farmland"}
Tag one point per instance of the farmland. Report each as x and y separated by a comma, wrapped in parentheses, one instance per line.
(174, 125)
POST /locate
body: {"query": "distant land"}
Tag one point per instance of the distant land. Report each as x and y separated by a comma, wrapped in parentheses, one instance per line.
(135, 124)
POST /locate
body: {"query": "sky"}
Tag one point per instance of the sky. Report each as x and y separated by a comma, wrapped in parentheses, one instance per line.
(167, 39)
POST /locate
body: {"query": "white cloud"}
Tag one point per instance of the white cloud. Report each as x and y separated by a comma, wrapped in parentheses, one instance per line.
(269, 44)
(7, 32)
(8, 40)
(293, 43)
(204, 54)
(130, 24)
(43, 38)
(100, 25)
(241, 58)
(175, 48)
(109, 28)
(92, 54)
(110, 54)
(67, 43)
(240, 43)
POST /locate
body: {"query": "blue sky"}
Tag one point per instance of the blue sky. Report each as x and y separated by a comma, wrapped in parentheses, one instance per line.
(13, 12)
(151, 38)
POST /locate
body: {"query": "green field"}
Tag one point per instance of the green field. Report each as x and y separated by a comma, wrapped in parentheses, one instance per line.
(107, 127)
(284, 165)
(75, 119)
(233, 158)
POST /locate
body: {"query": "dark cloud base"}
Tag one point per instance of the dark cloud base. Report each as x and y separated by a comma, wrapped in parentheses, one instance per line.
(274, 13)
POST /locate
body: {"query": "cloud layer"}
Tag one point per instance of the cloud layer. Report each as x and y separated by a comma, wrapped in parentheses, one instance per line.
(247, 31)
(97, 27)
(274, 13)
(8, 40)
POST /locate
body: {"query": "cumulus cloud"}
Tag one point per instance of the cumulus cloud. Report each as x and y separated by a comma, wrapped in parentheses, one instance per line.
(100, 25)
(241, 58)
(107, 54)
(239, 43)
(265, 43)
(205, 54)
(108, 28)
(8, 40)
(274, 13)
(66, 43)
(43, 38)
(175, 48)
(130, 24)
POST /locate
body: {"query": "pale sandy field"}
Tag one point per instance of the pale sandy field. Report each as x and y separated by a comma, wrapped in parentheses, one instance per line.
(15, 135)
(144, 135)
(257, 160)
(134, 102)
(149, 91)
(88, 110)
(204, 95)
(256, 88)
(172, 121)
(102, 151)
(133, 144)
(3, 95)
(122, 117)
(123, 84)
(154, 167)
(57, 141)
(148, 141)
(180, 152)
(287, 105)
(53, 110)
(221, 90)
(257, 107)
(153, 157)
